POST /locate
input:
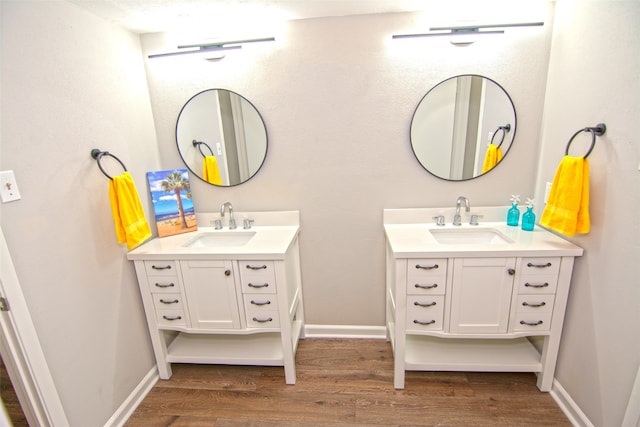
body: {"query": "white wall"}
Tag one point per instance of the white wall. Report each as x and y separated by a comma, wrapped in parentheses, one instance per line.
(71, 82)
(593, 78)
(337, 96)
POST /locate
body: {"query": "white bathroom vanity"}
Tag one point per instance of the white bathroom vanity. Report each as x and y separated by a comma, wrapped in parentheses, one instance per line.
(224, 296)
(485, 297)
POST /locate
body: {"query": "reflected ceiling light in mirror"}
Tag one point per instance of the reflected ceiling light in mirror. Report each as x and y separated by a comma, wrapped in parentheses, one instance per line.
(211, 47)
(467, 34)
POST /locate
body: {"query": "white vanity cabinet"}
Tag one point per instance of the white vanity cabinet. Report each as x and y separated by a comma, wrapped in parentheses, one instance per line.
(475, 307)
(229, 305)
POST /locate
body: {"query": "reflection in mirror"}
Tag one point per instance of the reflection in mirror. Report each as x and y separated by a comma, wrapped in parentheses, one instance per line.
(463, 127)
(221, 137)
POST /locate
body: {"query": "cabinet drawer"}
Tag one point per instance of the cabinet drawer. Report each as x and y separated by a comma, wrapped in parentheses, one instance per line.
(543, 284)
(540, 266)
(532, 321)
(171, 318)
(533, 304)
(260, 302)
(163, 285)
(426, 276)
(168, 301)
(425, 312)
(160, 268)
(257, 276)
(263, 319)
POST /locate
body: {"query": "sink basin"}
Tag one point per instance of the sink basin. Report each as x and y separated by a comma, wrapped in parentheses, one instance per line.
(470, 236)
(220, 239)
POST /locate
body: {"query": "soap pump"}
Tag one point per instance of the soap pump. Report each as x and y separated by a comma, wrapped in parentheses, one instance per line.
(513, 215)
(528, 218)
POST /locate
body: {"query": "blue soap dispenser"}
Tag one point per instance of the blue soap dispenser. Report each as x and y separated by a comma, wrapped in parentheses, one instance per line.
(529, 218)
(513, 215)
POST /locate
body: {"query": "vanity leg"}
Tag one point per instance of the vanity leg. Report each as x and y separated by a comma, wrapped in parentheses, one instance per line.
(160, 351)
(289, 357)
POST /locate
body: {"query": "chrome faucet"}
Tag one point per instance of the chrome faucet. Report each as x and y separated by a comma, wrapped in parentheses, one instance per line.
(456, 218)
(232, 220)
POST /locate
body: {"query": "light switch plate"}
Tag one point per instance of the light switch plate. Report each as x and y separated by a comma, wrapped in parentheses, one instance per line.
(547, 190)
(8, 187)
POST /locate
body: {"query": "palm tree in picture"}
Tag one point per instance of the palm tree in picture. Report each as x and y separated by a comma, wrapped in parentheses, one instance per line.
(176, 182)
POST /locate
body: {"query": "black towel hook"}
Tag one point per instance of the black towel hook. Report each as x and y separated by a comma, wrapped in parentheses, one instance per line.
(506, 128)
(199, 144)
(598, 130)
(97, 155)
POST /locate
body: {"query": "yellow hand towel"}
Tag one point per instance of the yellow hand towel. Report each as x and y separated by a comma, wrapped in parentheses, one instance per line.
(491, 157)
(131, 225)
(211, 171)
(567, 209)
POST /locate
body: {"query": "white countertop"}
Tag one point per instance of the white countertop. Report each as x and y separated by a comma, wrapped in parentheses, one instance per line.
(409, 239)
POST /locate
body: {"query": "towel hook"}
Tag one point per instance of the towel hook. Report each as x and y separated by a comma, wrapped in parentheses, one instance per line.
(506, 128)
(598, 130)
(97, 155)
(199, 144)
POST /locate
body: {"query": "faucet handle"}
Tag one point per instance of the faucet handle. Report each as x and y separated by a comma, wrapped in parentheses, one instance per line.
(218, 224)
(474, 219)
(247, 223)
(439, 220)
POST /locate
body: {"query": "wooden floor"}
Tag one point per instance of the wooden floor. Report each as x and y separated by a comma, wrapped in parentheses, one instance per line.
(10, 399)
(343, 383)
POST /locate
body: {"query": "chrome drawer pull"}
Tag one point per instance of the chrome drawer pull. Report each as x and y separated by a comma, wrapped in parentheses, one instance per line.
(538, 323)
(529, 285)
(175, 301)
(165, 285)
(268, 319)
(539, 265)
(172, 318)
(430, 322)
(256, 267)
(420, 304)
(419, 286)
(260, 303)
(540, 304)
(258, 286)
(166, 267)
(427, 267)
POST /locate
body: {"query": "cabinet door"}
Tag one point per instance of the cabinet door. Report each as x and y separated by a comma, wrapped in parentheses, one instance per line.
(481, 295)
(211, 294)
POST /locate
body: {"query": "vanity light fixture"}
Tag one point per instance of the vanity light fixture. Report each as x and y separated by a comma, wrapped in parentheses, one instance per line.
(212, 47)
(468, 31)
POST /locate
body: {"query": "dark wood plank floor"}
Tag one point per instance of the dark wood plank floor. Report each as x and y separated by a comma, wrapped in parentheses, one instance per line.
(10, 399)
(343, 383)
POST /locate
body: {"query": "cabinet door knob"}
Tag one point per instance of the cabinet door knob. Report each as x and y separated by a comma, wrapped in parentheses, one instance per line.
(227, 272)
(511, 271)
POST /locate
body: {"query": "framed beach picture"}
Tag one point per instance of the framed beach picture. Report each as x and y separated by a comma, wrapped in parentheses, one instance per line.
(172, 204)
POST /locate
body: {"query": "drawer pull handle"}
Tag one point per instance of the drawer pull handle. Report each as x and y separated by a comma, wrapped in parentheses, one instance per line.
(419, 286)
(430, 322)
(175, 301)
(421, 304)
(427, 267)
(172, 318)
(539, 265)
(538, 323)
(539, 304)
(530, 285)
(268, 319)
(256, 267)
(258, 285)
(166, 267)
(165, 285)
(260, 303)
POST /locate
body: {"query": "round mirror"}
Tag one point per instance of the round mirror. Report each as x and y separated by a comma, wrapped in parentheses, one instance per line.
(221, 137)
(463, 127)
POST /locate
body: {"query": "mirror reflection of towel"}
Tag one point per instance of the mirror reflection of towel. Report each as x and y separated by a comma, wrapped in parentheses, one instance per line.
(491, 158)
(567, 209)
(131, 225)
(210, 170)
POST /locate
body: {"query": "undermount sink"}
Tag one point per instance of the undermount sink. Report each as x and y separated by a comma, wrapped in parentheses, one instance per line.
(221, 239)
(466, 236)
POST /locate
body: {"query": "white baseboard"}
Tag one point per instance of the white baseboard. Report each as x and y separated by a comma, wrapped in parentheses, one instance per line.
(345, 331)
(125, 410)
(568, 406)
